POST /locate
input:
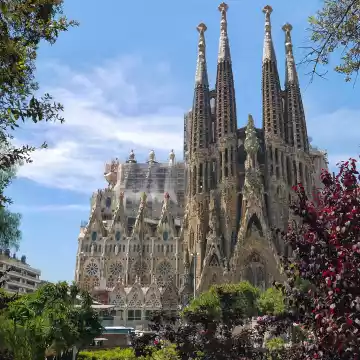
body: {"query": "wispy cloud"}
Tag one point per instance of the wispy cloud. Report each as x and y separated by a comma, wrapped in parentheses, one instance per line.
(337, 133)
(109, 110)
(49, 208)
(128, 104)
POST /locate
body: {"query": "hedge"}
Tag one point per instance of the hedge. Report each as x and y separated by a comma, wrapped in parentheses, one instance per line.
(111, 354)
(167, 352)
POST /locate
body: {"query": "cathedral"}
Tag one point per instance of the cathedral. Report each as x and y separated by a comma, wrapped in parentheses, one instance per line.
(160, 233)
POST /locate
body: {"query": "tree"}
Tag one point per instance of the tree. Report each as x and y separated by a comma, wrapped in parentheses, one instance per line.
(335, 28)
(50, 321)
(243, 297)
(23, 25)
(10, 234)
(324, 308)
(214, 326)
(271, 302)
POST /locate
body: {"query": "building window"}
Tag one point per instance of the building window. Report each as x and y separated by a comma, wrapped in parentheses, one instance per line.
(94, 236)
(120, 314)
(134, 315)
(118, 236)
(165, 235)
(108, 202)
(148, 315)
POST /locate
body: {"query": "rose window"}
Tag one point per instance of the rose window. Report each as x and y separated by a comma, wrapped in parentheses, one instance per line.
(165, 269)
(92, 269)
(116, 269)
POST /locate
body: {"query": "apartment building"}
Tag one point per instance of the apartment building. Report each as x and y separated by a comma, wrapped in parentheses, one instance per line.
(22, 278)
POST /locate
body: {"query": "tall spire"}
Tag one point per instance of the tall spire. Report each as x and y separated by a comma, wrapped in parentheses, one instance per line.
(201, 77)
(273, 123)
(224, 48)
(296, 132)
(226, 123)
(268, 50)
(225, 131)
(201, 113)
(291, 73)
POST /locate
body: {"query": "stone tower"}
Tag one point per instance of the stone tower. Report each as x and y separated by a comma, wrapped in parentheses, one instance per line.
(246, 181)
(226, 138)
(199, 170)
(277, 152)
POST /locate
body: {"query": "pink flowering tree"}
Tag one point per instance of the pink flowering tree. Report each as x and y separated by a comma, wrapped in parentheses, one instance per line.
(323, 287)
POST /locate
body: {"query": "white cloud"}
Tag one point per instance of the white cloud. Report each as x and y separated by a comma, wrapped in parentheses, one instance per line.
(126, 104)
(51, 208)
(109, 110)
(337, 133)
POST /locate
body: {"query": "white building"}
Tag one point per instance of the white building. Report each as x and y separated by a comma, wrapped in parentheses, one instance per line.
(22, 278)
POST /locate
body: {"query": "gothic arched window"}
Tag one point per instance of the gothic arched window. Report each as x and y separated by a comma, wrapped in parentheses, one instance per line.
(118, 236)
(108, 202)
(94, 236)
(165, 236)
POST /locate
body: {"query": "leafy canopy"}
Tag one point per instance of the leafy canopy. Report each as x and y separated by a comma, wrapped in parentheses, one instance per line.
(271, 302)
(335, 29)
(55, 318)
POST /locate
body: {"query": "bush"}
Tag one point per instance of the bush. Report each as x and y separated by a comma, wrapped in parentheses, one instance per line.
(221, 299)
(111, 354)
(166, 352)
(271, 302)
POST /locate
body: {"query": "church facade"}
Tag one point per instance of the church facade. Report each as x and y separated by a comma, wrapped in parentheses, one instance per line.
(161, 231)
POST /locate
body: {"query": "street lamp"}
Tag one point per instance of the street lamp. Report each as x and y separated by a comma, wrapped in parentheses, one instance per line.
(194, 256)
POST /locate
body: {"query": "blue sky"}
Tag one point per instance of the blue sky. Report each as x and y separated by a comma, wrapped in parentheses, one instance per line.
(125, 77)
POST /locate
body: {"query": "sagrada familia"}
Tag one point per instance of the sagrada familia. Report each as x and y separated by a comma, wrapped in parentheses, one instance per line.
(160, 233)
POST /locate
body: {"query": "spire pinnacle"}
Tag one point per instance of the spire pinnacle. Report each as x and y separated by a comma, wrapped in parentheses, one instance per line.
(268, 51)
(291, 74)
(288, 44)
(251, 143)
(201, 77)
(224, 48)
